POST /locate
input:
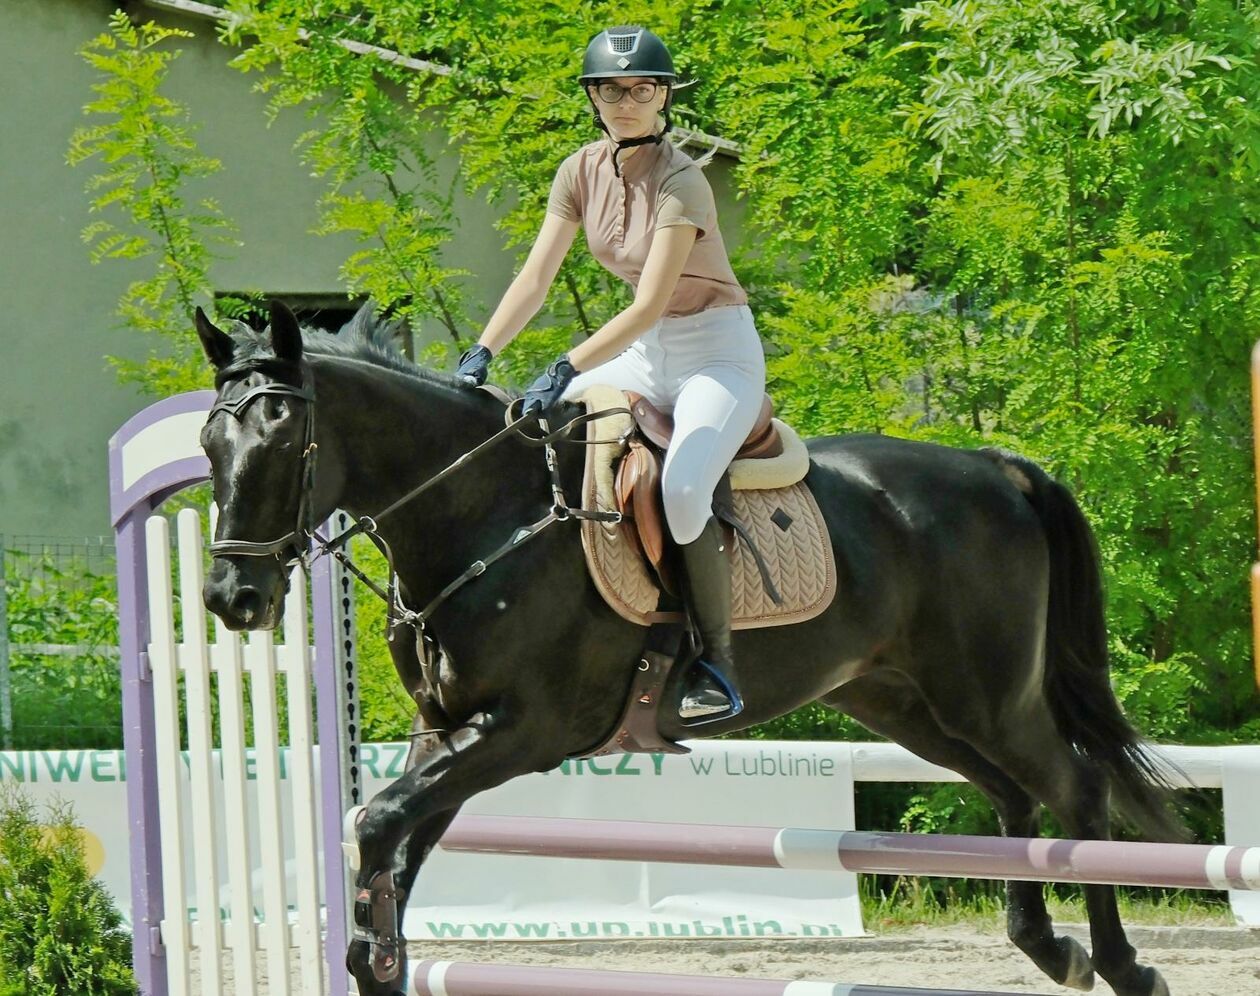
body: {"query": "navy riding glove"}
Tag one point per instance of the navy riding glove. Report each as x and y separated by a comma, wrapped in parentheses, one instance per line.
(544, 393)
(474, 365)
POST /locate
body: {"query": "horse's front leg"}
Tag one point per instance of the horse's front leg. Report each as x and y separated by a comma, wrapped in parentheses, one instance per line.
(415, 849)
(487, 750)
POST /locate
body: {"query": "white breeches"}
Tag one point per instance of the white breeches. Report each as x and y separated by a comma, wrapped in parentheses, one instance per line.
(709, 369)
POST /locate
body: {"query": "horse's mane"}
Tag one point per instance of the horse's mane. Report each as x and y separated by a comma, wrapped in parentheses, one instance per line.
(366, 338)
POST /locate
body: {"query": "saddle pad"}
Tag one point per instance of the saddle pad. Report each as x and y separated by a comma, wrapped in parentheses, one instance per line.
(784, 522)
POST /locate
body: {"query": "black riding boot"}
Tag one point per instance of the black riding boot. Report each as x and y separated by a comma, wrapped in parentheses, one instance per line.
(710, 692)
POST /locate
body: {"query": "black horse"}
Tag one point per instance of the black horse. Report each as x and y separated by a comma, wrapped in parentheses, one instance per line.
(968, 626)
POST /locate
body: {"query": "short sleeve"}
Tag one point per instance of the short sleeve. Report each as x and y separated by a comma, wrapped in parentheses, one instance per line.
(563, 200)
(685, 198)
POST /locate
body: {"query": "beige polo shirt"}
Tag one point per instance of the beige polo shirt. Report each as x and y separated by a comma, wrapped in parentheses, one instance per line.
(660, 185)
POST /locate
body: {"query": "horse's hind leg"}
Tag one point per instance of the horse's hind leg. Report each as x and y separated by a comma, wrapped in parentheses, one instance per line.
(1084, 814)
(1076, 790)
(893, 706)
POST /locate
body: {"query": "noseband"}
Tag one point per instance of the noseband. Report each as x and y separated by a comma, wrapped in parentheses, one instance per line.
(296, 538)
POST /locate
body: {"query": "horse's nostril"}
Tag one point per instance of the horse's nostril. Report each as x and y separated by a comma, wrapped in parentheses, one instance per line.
(247, 604)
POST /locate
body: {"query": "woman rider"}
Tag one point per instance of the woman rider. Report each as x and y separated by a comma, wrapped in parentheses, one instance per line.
(687, 342)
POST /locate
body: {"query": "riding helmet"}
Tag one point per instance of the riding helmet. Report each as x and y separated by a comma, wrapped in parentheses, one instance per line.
(626, 50)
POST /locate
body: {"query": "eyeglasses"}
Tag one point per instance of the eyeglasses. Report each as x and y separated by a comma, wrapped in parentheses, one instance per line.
(611, 93)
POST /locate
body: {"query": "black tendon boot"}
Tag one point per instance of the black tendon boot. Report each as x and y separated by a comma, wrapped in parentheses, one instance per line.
(710, 692)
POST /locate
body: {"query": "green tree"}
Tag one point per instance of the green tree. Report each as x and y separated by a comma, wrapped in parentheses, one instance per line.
(147, 157)
(1092, 226)
(383, 186)
(968, 221)
(60, 933)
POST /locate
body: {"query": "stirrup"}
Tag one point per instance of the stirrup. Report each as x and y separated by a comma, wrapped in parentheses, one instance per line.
(733, 706)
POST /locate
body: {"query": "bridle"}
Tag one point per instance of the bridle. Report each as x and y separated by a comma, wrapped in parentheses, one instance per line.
(298, 539)
(295, 538)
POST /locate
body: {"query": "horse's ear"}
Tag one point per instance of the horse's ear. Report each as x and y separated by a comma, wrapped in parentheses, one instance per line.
(217, 343)
(286, 335)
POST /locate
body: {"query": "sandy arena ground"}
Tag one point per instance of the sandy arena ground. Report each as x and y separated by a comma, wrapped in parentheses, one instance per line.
(1196, 961)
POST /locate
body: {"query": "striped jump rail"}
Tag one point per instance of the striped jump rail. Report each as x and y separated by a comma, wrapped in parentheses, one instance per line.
(1037, 859)
(447, 978)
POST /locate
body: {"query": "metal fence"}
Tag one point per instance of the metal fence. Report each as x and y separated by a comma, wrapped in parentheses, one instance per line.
(59, 683)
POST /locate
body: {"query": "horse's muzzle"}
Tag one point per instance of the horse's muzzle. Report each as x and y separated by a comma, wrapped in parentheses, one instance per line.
(244, 599)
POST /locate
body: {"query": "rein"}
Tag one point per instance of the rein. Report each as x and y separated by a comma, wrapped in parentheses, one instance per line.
(396, 610)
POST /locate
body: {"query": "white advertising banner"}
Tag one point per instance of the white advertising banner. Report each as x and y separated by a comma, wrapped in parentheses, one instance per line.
(470, 896)
(743, 783)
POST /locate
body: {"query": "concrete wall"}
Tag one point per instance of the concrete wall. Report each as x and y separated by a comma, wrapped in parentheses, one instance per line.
(59, 401)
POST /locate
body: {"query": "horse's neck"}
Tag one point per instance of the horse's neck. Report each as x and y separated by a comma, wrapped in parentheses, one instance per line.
(388, 433)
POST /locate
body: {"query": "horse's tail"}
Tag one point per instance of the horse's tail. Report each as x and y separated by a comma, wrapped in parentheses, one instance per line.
(1077, 684)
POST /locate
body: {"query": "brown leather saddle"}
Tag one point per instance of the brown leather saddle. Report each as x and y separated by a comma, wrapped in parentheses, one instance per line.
(637, 496)
(638, 480)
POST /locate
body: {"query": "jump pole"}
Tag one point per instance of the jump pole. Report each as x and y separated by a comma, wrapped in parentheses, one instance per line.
(1037, 859)
(445, 978)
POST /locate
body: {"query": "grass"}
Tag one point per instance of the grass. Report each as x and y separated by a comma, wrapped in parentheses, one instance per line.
(917, 902)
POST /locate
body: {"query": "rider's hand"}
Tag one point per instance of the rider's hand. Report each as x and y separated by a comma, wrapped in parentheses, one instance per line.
(474, 365)
(544, 394)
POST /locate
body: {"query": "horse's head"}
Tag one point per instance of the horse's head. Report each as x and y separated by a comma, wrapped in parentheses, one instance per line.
(259, 437)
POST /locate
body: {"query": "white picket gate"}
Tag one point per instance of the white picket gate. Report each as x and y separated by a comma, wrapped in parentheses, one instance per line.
(218, 814)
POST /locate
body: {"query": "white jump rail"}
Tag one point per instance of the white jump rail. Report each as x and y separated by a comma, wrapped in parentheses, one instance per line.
(1036, 859)
(445, 978)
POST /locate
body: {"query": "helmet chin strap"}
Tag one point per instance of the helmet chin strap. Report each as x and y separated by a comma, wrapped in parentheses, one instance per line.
(631, 143)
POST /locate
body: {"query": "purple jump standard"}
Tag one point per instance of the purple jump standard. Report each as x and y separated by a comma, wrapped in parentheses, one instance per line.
(1177, 866)
(453, 978)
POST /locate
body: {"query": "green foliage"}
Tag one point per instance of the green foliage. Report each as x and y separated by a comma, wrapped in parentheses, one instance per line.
(383, 186)
(1097, 318)
(500, 85)
(968, 222)
(894, 903)
(63, 701)
(811, 722)
(147, 157)
(60, 933)
(949, 808)
(386, 707)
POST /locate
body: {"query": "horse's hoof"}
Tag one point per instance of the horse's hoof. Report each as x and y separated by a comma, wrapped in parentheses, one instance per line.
(386, 965)
(1141, 981)
(1152, 978)
(1080, 970)
(374, 975)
